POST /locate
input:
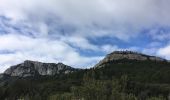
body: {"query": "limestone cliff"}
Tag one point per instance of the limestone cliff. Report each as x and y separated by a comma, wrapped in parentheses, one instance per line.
(32, 68)
(128, 55)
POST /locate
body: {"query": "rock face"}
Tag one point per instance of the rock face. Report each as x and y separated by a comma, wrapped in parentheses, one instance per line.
(32, 68)
(129, 55)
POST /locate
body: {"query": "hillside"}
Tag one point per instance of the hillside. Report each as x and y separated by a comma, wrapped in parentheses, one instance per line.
(121, 75)
(32, 68)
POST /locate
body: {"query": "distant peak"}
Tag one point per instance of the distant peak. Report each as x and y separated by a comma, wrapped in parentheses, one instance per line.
(27, 61)
(126, 52)
(32, 68)
(128, 55)
(31, 61)
(60, 63)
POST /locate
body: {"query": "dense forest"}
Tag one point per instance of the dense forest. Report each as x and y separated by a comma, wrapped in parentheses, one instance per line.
(118, 80)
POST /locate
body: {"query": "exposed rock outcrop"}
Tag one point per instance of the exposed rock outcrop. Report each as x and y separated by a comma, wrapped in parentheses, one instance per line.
(32, 68)
(129, 55)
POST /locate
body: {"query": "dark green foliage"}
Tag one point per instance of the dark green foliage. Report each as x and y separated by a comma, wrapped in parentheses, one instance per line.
(141, 71)
(38, 88)
(118, 80)
(102, 90)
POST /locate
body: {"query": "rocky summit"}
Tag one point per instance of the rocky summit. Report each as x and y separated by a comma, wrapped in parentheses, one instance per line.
(133, 75)
(127, 55)
(32, 68)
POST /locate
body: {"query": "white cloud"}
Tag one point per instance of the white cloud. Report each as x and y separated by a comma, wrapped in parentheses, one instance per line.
(151, 51)
(119, 18)
(55, 24)
(84, 44)
(41, 49)
(160, 34)
(164, 52)
(109, 48)
(79, 42)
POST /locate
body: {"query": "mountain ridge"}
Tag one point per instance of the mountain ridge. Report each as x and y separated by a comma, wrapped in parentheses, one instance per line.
(142, 75)
(128, 55)
(32, 68)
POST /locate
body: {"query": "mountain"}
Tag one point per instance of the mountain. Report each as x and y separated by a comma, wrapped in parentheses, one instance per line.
(137, 66)
(32, 68)
(121, 75)
(127, 55)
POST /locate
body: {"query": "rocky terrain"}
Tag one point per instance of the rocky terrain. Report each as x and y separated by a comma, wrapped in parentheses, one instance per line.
(128, 55)
(32, 68)
(142, 77)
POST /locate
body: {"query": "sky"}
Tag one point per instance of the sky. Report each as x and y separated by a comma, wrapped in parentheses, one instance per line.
(80, 33)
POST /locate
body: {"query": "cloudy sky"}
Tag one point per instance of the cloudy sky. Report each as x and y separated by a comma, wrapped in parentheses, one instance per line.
(81, 32)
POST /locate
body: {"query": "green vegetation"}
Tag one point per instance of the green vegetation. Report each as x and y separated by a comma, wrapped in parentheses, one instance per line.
(119, 80)
(103, 90)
